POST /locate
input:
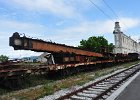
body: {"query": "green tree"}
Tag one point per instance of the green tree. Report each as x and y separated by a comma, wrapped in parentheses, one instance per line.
(95, 43)
(3, 58)
(110, 47)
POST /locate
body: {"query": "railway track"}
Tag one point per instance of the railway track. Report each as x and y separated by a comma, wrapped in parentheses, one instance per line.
(103, 88)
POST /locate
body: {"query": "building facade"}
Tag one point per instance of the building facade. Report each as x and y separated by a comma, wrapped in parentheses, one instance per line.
(123, 43)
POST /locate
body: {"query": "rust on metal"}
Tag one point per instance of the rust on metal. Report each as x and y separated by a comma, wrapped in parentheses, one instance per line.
(24, 43)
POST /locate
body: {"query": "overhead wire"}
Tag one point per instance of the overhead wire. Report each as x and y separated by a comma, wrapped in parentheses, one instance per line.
(101, 10)
(110, 9)
(117, 17)
(113, 12)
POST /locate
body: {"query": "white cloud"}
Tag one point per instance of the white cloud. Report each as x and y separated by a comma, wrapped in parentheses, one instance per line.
(127, 23)
(19, 26)
(101, 27)
(61, 32)
(86, 27)
(70, 35)
(66, 8)
(9, 27)
(56, 7)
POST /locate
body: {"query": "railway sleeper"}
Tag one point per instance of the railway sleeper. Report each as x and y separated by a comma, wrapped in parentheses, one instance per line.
(75, 97)
(81, 94)
(91, 92)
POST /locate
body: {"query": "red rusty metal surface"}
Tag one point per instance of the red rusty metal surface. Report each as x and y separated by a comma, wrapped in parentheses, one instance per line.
(25, 43)
(41, 68)
(49, 47)
(45, 68)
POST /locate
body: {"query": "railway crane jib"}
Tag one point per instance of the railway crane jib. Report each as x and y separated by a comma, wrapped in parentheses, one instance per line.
(24, 43)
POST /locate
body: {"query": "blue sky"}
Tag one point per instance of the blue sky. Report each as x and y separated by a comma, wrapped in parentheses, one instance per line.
(65, 21)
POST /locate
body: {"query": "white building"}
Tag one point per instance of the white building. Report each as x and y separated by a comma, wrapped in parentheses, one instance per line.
(123, 43)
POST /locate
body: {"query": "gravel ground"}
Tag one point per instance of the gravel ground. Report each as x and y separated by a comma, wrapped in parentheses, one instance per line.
(73, 88)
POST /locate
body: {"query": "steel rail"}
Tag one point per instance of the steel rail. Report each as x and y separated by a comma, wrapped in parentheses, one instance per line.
(129, 72)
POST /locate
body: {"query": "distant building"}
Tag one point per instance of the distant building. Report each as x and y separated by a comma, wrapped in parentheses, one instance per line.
(14, 60)
(123, 43)
(30, 59)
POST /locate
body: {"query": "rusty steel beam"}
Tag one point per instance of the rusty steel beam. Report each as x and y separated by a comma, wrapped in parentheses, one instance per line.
(24, 43)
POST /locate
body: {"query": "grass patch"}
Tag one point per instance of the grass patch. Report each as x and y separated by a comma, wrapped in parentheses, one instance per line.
(83, 78)
(51, 86)
(126, 65)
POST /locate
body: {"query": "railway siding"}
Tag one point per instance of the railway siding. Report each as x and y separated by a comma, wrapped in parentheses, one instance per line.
(59, 85)
(102, 88)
